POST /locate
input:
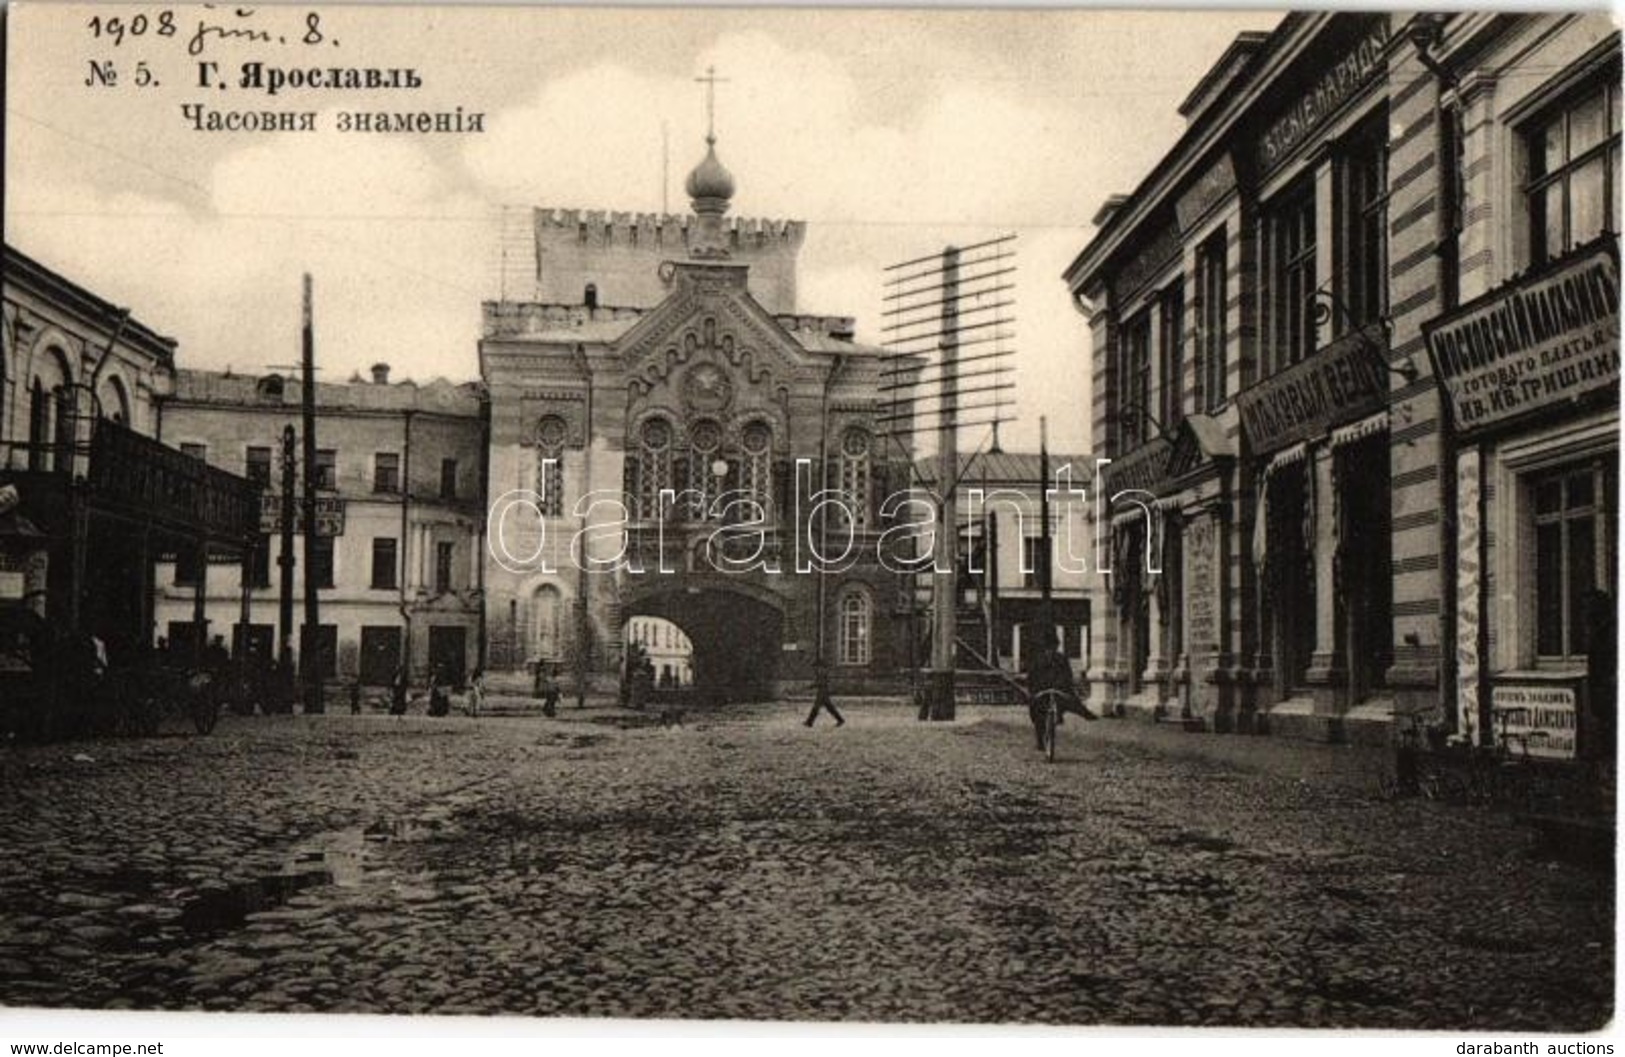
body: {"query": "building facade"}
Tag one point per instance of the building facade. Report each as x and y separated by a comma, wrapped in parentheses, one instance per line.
(400, 517)
(92, 497)
(661, 427)
(1001, 558)
(1283, 355)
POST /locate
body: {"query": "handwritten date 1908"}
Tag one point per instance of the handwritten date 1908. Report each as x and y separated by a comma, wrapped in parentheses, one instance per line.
(235, 27)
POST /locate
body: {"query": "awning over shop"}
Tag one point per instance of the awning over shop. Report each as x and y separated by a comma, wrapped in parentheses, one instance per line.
(1360, 430)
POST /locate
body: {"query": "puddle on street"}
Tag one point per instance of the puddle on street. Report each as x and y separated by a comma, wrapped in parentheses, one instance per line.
(339, 858)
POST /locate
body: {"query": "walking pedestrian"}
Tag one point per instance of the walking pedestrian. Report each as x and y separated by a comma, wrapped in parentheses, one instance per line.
(822, 701)
(548, 688)
(476, 693)
(397, 692)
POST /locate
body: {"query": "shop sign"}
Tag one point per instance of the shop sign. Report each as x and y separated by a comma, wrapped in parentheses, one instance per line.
(990, 695)
(1156, 255)
(1342, 382)
(1540, 716)
(1202, 595)
(329, 515)
(1212, 186)
(1144, 469)
(1543, 340)
(1339, 84)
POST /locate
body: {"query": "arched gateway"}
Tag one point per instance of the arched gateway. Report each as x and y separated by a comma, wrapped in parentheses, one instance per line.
(737, 633)
(661, 389)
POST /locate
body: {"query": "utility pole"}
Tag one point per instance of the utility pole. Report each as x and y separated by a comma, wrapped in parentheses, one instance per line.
(937, 308)
(1046, 608)
(285, 561)
(944, 601)
(309, 650)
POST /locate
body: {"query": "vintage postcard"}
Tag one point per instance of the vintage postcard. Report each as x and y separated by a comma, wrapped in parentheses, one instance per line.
(972, 516)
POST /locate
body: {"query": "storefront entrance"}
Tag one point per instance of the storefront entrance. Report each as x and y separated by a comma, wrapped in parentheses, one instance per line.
(1364, 577)
(1291, 575)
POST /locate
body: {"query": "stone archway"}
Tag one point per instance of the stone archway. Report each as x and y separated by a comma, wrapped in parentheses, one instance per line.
(736, 634)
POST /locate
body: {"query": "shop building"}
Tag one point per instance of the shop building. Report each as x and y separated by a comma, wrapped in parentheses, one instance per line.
(1523, 345)
(1263, 384)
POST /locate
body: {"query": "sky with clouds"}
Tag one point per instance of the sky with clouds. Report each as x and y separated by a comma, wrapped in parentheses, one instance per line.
(891, 132)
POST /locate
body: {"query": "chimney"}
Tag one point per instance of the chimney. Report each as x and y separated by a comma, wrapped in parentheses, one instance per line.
(380, 374)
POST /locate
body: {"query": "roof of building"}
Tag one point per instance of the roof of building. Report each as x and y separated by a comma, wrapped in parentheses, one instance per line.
(247, 390)
(23, 270)
(1009, 467)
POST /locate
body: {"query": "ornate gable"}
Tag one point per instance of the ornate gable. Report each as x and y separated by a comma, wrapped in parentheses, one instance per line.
(709, 318)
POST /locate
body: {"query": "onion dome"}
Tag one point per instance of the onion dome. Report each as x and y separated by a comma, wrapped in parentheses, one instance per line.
(710, 185)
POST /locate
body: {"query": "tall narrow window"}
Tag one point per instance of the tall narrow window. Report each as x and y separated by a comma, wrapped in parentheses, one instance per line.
(1171, 355)
(383, 563)
(1211, 282)
(443, 552)
(856, 475)
(1362, 230)
(386, 472)
(448, 478)
(1289, 278)
(757, 444)
(703, 482)
(321, 560)
(1134, 383)
(653, 468)
(1574, 171)
(551, 432)
(257, 467)
(327, 469)
(1575, 553)
(854, 635)
(39, 425)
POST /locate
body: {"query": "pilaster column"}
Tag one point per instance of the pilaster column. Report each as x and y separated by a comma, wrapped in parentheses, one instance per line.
(1328, 667)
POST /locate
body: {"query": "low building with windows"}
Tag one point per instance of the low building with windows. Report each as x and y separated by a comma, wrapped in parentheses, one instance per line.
(662, 419)
(1001, 558)
(400, 516)
(1309, 323)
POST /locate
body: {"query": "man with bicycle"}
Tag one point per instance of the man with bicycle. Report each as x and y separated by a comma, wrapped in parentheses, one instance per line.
(1048, 669)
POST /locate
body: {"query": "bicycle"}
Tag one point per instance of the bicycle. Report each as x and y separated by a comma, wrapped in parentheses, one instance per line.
(1051, 719)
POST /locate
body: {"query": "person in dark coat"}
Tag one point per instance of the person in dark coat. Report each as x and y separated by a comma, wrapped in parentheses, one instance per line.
(1048, 669)
(822, 701)
(397, 692)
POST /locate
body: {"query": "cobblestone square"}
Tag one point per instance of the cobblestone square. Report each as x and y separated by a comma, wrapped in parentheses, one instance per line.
(739, 865)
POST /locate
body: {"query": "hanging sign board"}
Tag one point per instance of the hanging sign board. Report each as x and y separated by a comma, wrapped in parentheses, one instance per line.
(1542, 340)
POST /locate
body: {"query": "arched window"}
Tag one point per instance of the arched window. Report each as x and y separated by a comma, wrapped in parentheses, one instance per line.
(704, 458)
(546, 608)
(653, 468)
(854, 631)
(39, 425)
(114, 402)
(551, 432)
(269, 389)
(50, 412)
(855, 474)
(757, 466)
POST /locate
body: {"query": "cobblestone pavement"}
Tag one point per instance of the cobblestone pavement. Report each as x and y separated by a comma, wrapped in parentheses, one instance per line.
(743, 866)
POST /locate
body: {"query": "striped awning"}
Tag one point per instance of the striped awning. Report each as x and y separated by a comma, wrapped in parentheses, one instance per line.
(1286, 457)
(1360, 430)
